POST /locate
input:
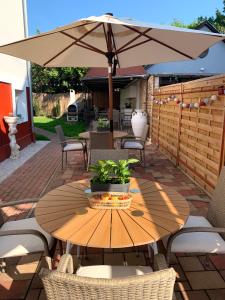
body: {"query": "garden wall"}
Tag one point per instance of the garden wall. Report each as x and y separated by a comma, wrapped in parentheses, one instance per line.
(48, 104)
(193, 138)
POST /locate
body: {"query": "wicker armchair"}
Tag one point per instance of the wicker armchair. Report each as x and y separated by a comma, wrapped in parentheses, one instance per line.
(198, 235)
(70, 144)
(134, 143)
(20, 237)
(133, 283)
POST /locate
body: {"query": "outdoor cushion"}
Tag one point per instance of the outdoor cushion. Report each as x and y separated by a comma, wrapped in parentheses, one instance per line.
(133, 145)
(18, 245)
(202, 242)
(74, 146)
(109, 272)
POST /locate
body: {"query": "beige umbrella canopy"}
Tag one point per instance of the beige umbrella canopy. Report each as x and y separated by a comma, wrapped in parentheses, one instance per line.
(109, 41)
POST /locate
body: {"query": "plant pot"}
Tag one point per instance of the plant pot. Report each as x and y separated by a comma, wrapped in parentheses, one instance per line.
(110, 187)
(103, 129)
(138, 121)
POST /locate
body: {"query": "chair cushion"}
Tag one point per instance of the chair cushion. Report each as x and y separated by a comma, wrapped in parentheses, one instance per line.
(133, 145)
(18, 245)
(202, 242)
(109, 272)
(74, 146)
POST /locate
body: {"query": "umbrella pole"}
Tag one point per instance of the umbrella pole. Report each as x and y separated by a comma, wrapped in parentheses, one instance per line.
(110, 83)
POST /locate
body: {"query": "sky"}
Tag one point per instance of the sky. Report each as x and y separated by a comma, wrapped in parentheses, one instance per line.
(44, 15)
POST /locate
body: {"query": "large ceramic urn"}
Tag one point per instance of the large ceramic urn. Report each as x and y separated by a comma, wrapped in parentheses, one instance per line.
(12, 122)
(138, 122)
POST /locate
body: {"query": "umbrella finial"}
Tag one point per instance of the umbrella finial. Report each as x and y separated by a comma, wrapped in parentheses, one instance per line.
(109, 14)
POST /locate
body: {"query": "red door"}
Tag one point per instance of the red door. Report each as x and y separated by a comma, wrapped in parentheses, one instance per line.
(5, 108)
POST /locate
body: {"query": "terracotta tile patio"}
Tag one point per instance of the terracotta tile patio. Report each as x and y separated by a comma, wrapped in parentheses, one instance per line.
(198, 277)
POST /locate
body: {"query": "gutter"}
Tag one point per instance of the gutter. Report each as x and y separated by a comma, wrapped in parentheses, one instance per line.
(28, 64)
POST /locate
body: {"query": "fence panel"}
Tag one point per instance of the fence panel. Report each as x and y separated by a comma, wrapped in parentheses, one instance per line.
(193, 138)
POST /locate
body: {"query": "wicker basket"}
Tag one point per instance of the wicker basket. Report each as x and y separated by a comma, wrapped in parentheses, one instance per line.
(103, 200)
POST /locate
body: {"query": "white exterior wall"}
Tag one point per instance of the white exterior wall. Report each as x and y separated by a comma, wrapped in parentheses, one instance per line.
(130, 94)
(211, 64)
(13, 25)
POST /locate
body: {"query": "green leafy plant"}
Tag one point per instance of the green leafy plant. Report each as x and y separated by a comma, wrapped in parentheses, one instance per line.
(102, 123)
(109, 171)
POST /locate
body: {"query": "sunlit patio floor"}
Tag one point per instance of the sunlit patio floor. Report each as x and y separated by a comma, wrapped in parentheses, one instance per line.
(198, 277)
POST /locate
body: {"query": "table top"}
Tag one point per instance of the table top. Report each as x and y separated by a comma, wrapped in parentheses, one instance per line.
(116, 134)
(155, 212)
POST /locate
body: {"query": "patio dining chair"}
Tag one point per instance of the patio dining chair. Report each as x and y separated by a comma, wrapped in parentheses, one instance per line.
(68, 145)
(21, 237)
(109, 282)
(99, 140)
(134, 143)
(199, 234)
(105, 154)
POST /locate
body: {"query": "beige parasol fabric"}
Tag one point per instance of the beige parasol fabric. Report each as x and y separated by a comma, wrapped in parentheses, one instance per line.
(83, 43)
(109, 41)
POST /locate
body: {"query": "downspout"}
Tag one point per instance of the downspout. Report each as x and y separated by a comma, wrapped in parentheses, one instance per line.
(28, 64)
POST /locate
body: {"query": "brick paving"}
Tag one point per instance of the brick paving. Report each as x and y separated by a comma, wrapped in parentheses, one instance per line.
(198, 277)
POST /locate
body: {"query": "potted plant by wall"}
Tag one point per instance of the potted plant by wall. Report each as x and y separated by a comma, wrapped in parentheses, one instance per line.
(102, 124)
(111, 176)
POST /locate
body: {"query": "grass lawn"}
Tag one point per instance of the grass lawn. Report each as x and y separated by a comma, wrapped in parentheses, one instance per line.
(40, 137)
(70, 129)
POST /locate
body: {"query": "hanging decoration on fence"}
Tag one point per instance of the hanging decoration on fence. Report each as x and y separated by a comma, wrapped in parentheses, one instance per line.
(178, 101)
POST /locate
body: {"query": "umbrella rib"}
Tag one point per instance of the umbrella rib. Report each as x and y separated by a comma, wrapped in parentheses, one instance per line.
(135, 45)
(88, 46)
(51, 59)
(106, 37)
(134, 39)
(41, 35)
(114, 45)
(157, 41)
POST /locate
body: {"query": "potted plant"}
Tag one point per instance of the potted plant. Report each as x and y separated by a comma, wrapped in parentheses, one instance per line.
(102, 124)
(111, 176)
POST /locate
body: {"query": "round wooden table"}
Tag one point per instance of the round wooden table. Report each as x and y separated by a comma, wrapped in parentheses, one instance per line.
(116, 134)
(156, 211)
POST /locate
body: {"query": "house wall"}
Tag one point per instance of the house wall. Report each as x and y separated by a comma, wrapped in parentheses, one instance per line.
(211, 64)
(132, 94)
(14, 76)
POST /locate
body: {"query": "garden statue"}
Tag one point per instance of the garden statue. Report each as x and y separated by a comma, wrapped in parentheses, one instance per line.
(12, 122)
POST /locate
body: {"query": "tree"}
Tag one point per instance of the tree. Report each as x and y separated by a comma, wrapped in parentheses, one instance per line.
(56, 80)
(218, 21)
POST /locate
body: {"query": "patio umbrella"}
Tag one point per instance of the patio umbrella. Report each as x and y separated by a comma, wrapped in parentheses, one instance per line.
(107, 41)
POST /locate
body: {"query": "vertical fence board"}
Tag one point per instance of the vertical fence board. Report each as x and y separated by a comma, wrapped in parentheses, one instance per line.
(194, 139)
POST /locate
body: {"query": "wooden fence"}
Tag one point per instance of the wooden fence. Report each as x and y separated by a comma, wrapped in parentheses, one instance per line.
(193, 138)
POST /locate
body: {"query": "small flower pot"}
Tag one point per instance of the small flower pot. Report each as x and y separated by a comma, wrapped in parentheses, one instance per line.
(110, 187)
(102, 129)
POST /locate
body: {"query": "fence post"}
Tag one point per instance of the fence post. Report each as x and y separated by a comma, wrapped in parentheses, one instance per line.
(179, 125)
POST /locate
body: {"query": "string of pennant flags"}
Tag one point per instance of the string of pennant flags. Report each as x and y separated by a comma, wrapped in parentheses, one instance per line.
(173, 98)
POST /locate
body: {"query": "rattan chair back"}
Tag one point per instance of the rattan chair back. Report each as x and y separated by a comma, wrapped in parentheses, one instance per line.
(101, 140)
(60, 135)
(105, 154)
(156, 285)
(216, 213)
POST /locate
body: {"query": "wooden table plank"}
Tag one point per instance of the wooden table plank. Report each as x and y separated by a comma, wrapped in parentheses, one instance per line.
(102, 234)
(119, 233)
(155, 212)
